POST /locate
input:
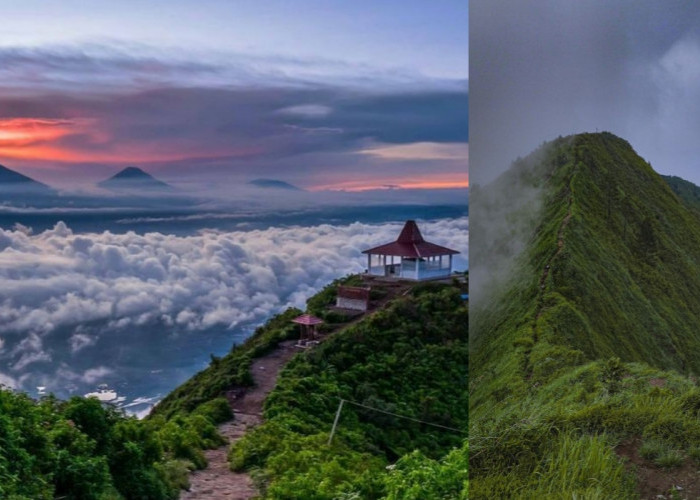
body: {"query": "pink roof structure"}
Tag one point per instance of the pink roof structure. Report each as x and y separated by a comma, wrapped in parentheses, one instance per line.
(307, 319)
(410, 243)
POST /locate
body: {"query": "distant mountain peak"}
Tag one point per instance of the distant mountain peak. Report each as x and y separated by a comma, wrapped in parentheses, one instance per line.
(8, 176)
(18, 188)
(274, 184)
(133, 178)
(132, 172)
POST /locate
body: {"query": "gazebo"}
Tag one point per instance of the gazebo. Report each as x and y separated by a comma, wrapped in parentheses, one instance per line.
(410, 257)
(307, 327)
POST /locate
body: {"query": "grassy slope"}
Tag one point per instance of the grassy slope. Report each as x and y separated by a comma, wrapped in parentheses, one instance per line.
(410, 358)
(686, 191)
(547, 402)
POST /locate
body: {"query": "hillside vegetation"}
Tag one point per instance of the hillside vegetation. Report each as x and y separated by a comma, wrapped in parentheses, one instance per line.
(409, 358)
(80, 450)
(586, 358)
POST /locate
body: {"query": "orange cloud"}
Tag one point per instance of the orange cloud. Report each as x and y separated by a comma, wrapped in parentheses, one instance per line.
(39, 139)
(18, 133)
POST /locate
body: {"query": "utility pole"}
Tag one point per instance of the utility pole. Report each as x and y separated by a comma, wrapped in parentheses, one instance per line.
(335, 422)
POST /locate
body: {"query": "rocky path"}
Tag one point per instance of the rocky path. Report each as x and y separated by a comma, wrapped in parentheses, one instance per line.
(217, 481)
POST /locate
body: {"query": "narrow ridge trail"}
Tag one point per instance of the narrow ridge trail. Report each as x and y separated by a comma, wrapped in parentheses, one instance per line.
(217, 481)
(542, 284)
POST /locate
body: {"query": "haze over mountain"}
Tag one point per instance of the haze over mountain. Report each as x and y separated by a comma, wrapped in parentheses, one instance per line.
(134, 179)
(580, 353)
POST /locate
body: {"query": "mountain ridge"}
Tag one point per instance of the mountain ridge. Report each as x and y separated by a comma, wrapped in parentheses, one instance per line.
(593, 315)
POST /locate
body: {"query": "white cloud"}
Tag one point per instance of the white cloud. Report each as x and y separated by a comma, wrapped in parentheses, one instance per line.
(307, 110)
(6, 380)
(420, 151)
(57, 280)
(681, 62)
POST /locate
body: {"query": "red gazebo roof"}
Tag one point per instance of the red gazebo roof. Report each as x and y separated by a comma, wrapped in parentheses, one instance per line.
(307, 319)
(410, 243)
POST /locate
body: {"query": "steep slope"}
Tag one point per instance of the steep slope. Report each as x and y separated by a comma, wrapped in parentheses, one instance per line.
(688, 192)
(606, 268)
(408, 356)
(402, 373)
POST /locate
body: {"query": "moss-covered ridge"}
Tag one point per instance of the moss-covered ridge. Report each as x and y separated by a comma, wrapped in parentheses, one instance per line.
(609, 271)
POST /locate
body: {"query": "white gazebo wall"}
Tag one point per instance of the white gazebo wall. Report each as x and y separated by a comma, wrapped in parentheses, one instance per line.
(430, 267)
(380, 265)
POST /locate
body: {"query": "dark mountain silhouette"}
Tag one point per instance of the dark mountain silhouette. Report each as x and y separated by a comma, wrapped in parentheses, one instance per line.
(8, 177)
(134, 179)
(274, 184)
(16, 187)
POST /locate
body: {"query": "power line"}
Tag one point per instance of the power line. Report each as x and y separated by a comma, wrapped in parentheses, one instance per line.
(340, 408)
(407, 418)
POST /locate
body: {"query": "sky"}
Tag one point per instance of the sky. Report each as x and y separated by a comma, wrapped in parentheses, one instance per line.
(544, 68)
(323, 94)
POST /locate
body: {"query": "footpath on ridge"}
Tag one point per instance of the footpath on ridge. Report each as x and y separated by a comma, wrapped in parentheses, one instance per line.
(217, 481)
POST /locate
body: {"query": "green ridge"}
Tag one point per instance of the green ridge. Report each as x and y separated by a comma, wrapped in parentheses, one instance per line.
(608, 272)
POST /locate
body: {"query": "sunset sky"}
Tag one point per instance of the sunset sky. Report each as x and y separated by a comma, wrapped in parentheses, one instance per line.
(323, 94)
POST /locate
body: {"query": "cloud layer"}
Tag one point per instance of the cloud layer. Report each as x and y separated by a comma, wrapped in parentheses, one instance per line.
(63, 292)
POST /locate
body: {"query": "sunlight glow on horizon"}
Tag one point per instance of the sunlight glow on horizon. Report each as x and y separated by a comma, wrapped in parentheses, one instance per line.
(428, 181)
(45, 140)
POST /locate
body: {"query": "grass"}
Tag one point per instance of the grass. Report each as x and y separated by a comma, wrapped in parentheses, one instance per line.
(651, 450)
(410, 358)
(567, 356)
(670, 459)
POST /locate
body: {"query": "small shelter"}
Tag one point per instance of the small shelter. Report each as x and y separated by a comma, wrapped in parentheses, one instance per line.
(410, 257)
(307, 327)
(354, 298)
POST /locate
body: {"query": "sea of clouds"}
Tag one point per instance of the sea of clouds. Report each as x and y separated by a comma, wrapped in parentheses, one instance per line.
(58, 281)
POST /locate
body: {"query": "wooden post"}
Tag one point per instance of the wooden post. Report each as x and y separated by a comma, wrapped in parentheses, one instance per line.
(335, 422)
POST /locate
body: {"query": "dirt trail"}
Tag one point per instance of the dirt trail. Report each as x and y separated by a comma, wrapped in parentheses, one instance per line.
(217, 481)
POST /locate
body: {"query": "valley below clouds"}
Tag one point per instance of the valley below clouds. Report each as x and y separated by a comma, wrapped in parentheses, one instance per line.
(143, 311)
